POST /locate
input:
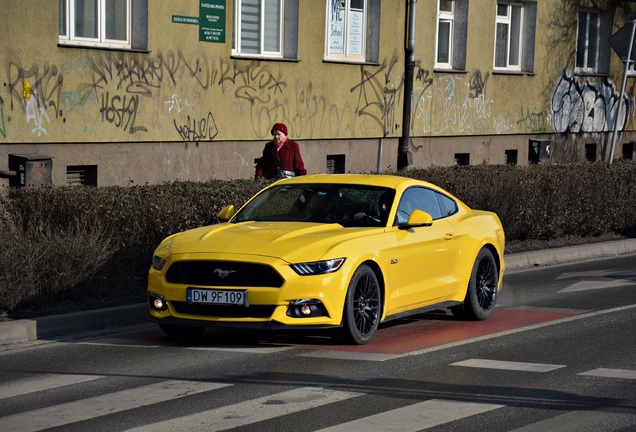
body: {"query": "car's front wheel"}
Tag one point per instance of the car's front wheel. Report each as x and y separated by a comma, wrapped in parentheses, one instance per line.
(481, 295)
(362, 308)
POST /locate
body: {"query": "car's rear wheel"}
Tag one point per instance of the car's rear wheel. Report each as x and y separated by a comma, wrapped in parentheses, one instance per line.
(361, 314)
(481, 295)
(181, 330)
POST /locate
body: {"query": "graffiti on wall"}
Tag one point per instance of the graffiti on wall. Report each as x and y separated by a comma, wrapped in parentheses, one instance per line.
(140, 93)
(580, 105)
(203, 129)
(45, 87)
(451, 104)
(144, 74)
(377, 93)
(36, 112)
(3, 125)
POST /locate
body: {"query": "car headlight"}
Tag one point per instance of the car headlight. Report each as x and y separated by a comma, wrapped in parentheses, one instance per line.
(158, 263)
(318, 267)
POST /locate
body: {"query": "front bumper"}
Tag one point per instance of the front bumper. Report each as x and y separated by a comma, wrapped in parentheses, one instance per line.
(269, 307)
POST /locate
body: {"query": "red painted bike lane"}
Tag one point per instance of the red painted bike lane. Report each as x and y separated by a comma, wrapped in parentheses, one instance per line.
(428, 331)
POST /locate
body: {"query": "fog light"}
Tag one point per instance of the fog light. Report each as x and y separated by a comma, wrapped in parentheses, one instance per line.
(306, 308)
(157, 302)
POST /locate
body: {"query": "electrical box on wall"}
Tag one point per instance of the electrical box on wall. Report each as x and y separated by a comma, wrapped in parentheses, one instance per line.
(538, 151)
(31, 170)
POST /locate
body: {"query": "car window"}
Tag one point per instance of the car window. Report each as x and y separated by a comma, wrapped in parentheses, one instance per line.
(417, 198)
(448, 206)
(348, 205)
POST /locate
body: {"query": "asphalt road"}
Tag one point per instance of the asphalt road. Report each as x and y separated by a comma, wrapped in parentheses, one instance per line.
(557, 354)
(67, 325)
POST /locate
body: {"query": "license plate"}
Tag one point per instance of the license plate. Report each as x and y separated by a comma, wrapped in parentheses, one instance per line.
(223, 297)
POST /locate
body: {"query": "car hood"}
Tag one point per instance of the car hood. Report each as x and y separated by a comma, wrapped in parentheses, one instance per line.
(290, 241)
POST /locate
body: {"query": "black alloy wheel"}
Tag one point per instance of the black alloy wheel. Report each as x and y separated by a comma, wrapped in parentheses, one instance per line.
(362, 309)
(481, 295)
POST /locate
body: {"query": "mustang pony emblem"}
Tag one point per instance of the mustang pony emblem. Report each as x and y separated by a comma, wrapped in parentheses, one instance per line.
(223, 273)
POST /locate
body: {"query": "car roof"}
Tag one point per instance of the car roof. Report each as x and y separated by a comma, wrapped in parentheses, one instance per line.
(390, 181)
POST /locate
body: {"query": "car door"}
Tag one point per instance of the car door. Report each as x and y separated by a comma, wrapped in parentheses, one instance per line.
(422, 270)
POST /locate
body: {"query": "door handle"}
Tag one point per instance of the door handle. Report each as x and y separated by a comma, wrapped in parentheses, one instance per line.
(449, 236)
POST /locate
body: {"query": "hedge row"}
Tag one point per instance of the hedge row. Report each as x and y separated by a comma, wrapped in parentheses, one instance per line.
(61, 242)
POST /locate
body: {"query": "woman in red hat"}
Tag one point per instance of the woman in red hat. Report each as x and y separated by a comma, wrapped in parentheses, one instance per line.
(281, 156)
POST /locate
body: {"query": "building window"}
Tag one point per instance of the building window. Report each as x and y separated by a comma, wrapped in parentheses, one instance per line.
(352, 31)
(628, 151)
(335, 164)
(590, 152)
(265, 28)
(511, 157)
(346, 29)
(445, 19)
(515, 33)
(588, 41)
(462, 158)
(508, 37)
(452, 29)
(104, 23)
(592, 41)
(258, 27)
(81, 175)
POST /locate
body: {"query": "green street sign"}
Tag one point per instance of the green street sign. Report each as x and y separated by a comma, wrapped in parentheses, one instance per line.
(212, 21)
(180, 19)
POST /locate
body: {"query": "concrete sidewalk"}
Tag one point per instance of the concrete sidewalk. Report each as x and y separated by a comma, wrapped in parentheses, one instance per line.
(52, 327)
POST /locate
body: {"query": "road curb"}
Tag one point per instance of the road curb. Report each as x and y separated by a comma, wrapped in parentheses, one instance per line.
(54, 326)
(78, 322)
(569, 254)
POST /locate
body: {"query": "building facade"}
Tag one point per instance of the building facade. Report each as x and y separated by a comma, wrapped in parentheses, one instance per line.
(125, 92)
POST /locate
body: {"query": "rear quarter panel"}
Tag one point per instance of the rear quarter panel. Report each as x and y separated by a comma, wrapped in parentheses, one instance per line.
(476, 229)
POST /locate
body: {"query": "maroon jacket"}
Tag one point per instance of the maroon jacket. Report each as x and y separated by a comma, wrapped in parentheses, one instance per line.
(287, 158)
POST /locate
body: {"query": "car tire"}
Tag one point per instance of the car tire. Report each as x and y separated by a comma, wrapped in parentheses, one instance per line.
(481, 295)
(181, 330)
(362, 309)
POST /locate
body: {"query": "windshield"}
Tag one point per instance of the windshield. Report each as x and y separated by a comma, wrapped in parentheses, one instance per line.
(348, 205)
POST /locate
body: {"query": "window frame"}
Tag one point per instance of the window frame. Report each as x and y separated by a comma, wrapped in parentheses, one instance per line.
(67, 25)
(508, 21)
(586, 42)
(347, 34)
(445, 17)
(410, 200)
(237, 31)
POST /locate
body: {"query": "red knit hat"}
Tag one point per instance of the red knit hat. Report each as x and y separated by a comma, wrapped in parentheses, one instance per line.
(279, 127)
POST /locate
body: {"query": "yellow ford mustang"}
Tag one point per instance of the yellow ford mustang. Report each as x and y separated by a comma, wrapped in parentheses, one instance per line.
(342, 252)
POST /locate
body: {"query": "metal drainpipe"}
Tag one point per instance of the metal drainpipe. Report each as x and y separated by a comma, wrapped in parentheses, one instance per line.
(404, 155)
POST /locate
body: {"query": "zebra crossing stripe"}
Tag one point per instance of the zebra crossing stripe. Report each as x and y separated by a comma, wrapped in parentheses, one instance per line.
(508, 365)
(31, 385)
(252, 411)
(581, 421)
(611, 373)
(71, 412)
(416, 417)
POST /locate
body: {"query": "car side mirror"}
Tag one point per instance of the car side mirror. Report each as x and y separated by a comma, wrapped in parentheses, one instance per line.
(226, 214)
(418, 218)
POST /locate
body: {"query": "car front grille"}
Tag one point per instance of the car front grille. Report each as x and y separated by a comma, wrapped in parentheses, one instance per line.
(224, 311)
(223, 273)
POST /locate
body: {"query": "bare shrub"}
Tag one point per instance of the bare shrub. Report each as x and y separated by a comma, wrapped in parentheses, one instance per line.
(47, 261)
